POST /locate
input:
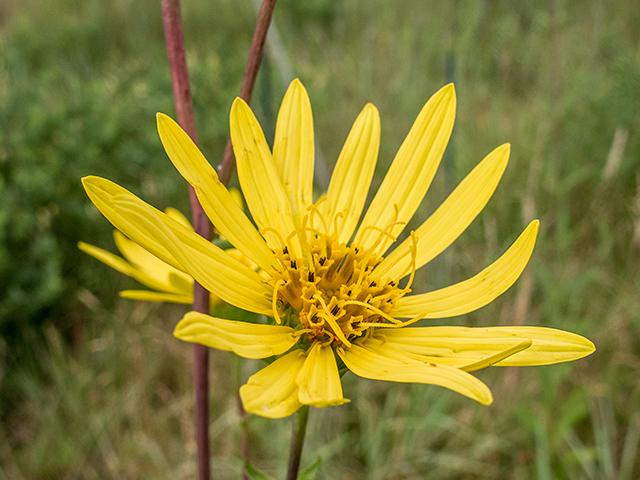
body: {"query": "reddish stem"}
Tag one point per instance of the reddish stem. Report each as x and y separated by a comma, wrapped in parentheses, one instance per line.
(225, 169)
(172, 20)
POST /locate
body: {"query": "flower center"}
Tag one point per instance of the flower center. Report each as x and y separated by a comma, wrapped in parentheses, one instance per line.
(330, 295)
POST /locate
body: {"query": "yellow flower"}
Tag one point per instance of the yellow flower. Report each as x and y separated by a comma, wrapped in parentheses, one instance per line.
(332, 295)
(169, 284)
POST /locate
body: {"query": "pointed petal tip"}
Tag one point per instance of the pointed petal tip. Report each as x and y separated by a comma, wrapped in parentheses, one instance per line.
(177, 330)
(371, 110)
(239, 109)
(297, 85)
(504, 149)
(449, 89)
(184, 322)
(535, 224)
(163, 120)
(590, 345)
(90, 182)
(237, 103)
(487, 400)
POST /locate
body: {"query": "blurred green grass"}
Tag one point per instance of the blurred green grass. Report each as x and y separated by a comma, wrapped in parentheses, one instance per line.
(95, 387)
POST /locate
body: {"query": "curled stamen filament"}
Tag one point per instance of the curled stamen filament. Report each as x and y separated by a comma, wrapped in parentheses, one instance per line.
(335, 223)
(412, 265)
(372, 308)
(266, 230)
(313, 208)
(377, 229)
(332, 320)
(298, 333)
(392, 264)
(274, 300)
(393, 325)
(330, 335)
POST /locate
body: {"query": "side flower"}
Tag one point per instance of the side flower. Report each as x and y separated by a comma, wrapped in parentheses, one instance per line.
(167, 283)
(332, 295)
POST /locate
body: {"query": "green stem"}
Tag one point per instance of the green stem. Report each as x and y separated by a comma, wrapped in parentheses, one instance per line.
(297, 441)
(236, 366)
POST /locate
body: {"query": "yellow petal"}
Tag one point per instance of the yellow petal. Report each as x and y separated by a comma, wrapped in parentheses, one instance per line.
(181, 282)
(176, 281)
(293, 149)
(249, 340)
(147, 296)
(101, 192)
(122, 266)
(209, 265)
(476, 292)
(451, 218)
(377, 365)
(160, 297)
(319, 380)
(353, 172)
(273, 392)
(412, 170)
(464, 346)
(178, 217)
(261, 185)
(179, 246)
(218, 203)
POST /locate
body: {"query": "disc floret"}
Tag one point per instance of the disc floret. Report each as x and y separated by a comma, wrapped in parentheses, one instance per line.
(331, 294)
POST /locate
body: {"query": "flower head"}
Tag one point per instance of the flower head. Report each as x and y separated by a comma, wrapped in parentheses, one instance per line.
(330, 291)
(167, 283)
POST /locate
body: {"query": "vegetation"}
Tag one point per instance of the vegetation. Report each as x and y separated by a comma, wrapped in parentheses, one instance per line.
(93, 386)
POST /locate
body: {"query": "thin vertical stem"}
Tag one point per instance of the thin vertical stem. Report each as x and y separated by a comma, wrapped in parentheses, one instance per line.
(248, 81)
(172, 20)
(297, 441)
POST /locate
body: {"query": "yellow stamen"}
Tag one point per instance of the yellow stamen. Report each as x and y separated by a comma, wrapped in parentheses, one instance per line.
(412, 265)
(372, 308)
(332, 321)
(335, 223)
(394, 325)
(313, 208)
(274, 300)
(274, 231)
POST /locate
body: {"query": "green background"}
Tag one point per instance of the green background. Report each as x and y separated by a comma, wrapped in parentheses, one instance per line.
(93, 386)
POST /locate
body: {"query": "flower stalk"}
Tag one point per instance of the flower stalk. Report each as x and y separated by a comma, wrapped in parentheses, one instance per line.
(172, 20)
(297, 442)
(174, 38)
